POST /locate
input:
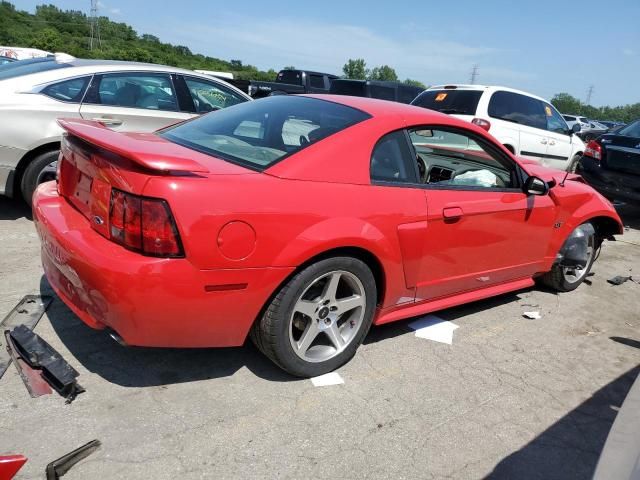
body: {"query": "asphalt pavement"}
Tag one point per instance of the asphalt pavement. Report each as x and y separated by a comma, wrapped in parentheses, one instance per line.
(510, 398)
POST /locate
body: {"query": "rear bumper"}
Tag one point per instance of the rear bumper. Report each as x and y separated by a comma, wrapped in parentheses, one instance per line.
(611, 184)
(147, 301)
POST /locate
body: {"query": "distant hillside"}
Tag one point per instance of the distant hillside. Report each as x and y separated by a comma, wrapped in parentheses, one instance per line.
(68, 31)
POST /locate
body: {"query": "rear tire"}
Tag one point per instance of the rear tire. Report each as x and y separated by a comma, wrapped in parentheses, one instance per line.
(319, 318)
(41, 169)
(562, 279)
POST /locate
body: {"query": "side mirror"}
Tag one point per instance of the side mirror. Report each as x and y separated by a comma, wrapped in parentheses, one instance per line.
(536, 186)
(576, 128)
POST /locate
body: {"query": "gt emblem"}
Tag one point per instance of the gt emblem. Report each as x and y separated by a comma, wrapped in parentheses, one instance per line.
(98, 220)
(557, 225)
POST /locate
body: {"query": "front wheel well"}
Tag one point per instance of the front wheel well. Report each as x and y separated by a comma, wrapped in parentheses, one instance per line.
(605, 227)
(27, 158)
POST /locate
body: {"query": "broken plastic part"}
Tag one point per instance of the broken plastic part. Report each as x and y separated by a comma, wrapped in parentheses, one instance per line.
(39, 354)
(618, 280)
(575, 251)
(62, 465)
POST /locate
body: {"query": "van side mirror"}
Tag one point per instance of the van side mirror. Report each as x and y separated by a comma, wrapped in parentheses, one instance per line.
(536, 186)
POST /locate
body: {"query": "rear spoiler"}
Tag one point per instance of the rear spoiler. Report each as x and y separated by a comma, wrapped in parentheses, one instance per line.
(144, 149)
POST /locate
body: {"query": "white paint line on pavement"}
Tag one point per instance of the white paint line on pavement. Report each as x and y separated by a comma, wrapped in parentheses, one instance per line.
(434, 328)
(332, 378)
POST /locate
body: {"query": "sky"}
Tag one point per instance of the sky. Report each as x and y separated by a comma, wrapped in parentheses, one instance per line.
(543, 47)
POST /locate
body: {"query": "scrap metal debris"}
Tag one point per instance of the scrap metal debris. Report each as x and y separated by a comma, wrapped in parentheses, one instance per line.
(532, 315)
(38, 354)
(27, 312)
(62, 465)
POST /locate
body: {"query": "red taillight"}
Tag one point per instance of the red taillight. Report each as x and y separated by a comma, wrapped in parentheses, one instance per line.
(482, 123)
(593, 150)
(144, 225)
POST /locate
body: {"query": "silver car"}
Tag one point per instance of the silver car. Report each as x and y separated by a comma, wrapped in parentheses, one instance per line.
(121, 95)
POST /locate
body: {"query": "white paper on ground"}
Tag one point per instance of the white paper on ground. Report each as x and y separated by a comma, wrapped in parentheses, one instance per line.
(331, 378)
(434, 328)
(532, 315)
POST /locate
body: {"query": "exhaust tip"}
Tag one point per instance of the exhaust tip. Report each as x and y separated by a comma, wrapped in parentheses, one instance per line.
(114, 335)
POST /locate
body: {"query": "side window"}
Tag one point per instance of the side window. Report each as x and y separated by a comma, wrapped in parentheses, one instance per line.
(448, 157)
(151, 91)
(382, 93)
(210, 96)
(517, 108)
(316, 81)
(392, 159)
(68, 90)
(555, 122)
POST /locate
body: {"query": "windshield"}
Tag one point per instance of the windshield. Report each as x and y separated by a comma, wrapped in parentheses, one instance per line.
(461, 102)
(260, 133)
(27, 67)
(631, 130)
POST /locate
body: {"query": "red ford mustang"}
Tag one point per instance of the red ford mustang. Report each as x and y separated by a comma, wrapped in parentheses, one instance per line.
(301, 221)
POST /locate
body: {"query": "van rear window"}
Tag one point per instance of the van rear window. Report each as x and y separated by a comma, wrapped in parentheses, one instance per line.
(456, 102)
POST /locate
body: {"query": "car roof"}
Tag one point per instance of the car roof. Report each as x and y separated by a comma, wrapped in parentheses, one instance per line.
(487, 88)
(80, 67)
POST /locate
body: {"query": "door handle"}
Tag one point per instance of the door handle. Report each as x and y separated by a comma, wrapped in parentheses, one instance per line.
(451, 213)
(552, 142)
(110, 122)
(543, 141)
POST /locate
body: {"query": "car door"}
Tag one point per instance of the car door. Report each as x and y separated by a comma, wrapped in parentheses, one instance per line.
(527, 114)
(559, 139)
(482, 229)
(133, 101)
(204, 95)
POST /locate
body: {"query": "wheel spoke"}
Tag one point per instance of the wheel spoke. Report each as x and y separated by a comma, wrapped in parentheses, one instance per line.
(335, 336)
(349, 303)
(331, 287)
(306, 307)
(308, 336)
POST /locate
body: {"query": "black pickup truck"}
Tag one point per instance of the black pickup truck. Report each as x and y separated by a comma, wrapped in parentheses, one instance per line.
(293, 81)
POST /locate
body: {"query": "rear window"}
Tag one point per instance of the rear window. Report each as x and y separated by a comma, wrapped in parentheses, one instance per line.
(292, 77)
(348, 87)
(457, 102)
(631, 130)
(260, 133)
(27, 67)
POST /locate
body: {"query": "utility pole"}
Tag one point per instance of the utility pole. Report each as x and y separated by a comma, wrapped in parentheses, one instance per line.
(589, 94)
(474, 74)
(94, 23)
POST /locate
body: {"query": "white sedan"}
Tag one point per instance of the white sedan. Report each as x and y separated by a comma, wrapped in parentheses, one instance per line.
(122, 95)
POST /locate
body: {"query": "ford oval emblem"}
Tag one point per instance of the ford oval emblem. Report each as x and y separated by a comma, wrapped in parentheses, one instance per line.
(98, 220)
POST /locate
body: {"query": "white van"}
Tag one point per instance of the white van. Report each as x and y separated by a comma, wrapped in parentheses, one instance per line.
(527, 125)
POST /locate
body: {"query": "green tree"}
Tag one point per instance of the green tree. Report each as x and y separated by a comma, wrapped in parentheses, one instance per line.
(384, 72)
(415, 83)
(355, 69)
(290, 67)
(566, 103)
(48, 39)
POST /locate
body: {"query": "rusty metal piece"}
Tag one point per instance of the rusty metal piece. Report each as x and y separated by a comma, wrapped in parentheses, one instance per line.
(32, 378)
(27, 312)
